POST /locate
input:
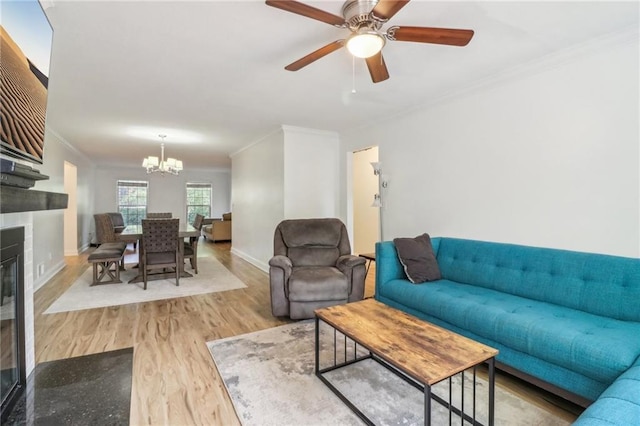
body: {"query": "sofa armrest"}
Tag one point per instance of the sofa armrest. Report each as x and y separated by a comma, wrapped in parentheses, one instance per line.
(388, 266)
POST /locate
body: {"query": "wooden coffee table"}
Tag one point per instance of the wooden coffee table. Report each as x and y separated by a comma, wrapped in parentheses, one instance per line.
(422, 353)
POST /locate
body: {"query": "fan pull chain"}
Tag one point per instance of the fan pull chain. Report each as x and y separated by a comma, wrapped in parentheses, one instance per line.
(353, 74)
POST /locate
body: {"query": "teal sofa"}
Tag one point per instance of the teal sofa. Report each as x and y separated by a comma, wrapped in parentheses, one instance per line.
(567, 321)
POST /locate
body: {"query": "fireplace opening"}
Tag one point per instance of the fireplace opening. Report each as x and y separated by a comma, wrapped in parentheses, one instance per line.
(12, 347)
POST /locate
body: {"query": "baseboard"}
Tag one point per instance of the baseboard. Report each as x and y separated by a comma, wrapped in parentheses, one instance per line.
(46, 277)
(252, 260)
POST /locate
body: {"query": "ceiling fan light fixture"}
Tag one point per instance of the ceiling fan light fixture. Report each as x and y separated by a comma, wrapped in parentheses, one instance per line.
(365, 43)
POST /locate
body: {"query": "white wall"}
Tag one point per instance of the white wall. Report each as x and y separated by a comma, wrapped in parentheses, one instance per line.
(311, 167)
(258, 198)
(166, 194)
(290, 173)
(550, 158)
(48, 226)
(70, 215)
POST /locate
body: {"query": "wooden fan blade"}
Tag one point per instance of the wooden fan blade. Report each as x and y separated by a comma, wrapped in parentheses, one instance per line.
(430, 35)
(314, 56)
(385, 9)
(306, 10)
(377, 68)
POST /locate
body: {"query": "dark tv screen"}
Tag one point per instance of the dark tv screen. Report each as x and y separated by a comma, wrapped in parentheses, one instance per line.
(26, 38)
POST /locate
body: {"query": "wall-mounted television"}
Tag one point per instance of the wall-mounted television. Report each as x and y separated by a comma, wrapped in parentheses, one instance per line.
(26, 39)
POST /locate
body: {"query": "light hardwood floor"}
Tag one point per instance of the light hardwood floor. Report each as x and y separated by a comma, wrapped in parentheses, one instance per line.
(175, 381)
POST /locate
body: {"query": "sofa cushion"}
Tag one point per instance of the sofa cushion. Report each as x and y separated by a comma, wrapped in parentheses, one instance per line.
(598, 347)
(317, 232)
(308, 283)
(596, 283)
(417, 258)
(619, 404)
(314, 256)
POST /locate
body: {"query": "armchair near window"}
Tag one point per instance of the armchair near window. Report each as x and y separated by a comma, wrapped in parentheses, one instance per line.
(219, 229)
(313, 267)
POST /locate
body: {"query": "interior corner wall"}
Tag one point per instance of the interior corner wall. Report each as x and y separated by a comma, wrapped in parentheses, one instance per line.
(48, 226)
(166, 194)
(257, 198)
(548, 159)
(311, 175)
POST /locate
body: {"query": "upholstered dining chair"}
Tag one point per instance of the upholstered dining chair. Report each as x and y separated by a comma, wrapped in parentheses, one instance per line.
(191, 244)
(159, 215)
(105, 230)
(160, 247)
(118, 224)
(313, 267)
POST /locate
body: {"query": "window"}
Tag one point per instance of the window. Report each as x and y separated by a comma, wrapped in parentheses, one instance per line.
(132, 201)
(198, 200)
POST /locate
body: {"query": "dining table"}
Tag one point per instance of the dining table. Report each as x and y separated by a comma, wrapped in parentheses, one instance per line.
(133, 233)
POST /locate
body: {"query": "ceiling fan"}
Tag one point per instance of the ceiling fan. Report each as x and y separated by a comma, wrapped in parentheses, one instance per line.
(365, 18)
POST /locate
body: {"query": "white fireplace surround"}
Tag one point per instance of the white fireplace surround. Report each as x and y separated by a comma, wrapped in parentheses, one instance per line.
(12, 220)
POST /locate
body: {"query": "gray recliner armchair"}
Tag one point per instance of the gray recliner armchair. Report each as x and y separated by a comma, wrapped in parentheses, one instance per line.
(313, 267)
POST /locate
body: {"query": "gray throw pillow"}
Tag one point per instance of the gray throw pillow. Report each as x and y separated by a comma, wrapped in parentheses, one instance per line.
(416, 255)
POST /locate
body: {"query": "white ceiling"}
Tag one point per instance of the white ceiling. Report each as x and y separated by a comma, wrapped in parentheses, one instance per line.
(210, 74)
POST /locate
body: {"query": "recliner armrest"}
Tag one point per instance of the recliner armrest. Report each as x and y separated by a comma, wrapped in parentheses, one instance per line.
(283, 262)
(349, 261)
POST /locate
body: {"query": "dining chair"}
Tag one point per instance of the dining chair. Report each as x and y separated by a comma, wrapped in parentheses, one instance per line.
(160, 246)
(191, 244)
(159, 216)
(105, 230)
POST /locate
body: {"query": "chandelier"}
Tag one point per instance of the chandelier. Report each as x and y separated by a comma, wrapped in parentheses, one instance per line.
(170, 165)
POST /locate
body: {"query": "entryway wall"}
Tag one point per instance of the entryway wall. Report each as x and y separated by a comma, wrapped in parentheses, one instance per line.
(71, 212)
(366, 219)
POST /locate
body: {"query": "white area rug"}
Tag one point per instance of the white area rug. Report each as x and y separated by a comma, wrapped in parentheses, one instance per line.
(212, 277)
(270, 377)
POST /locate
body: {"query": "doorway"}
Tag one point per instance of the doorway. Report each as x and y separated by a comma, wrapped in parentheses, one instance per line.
(71, 212)
(366, 219)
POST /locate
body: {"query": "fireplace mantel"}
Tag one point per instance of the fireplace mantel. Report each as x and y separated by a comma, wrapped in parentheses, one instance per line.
(15, 200)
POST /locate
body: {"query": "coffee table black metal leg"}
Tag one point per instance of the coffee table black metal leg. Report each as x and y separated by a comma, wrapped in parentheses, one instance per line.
(317, 345)
(492, 383)
(427, 405)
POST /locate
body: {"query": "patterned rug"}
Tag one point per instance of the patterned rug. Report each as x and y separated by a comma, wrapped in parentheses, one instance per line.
(270, 377)
(212, 277)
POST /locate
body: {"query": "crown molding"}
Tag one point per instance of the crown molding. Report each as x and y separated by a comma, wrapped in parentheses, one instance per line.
(68, 144)
(624, 36)
(256, 142)
(304, 130)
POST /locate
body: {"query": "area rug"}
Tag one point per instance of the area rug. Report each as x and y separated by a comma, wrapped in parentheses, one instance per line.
(270, 377)
(86, 390)
(212, 277)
